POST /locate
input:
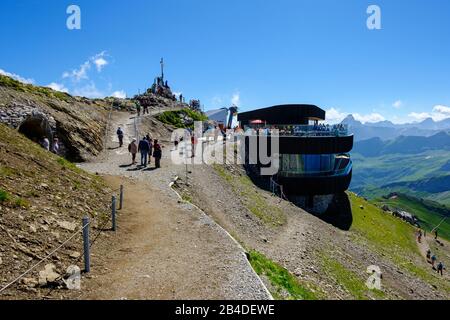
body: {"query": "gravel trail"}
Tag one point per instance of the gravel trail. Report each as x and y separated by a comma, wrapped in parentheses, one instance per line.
(164, 248)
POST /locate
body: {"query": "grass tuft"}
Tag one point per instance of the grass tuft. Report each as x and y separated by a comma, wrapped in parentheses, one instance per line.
(284, 284)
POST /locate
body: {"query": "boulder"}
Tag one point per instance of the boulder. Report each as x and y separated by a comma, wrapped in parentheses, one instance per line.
(48, 275)
(67, 225)
(75, 255)
(30, 282)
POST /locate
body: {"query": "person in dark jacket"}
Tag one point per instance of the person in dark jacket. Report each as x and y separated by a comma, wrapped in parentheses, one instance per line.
(143, 148)
(157, 154)
(120, 136)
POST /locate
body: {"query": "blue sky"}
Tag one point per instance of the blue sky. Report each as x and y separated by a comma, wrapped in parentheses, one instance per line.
(254, 53)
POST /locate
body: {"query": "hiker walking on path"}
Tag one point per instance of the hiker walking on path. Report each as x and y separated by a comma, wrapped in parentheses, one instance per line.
(145, 110)
(440, 268)
(138, 108)
(433, 261)
(133, 149)
(435, 234)
(157, 154)
(429, 255)
(150, 151)
(120, 136)
(143, 148)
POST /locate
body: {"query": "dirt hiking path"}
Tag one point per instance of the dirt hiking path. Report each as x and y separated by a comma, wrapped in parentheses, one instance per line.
(164, 248)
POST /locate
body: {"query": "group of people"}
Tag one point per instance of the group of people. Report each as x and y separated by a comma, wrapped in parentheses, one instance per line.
(431, 258)
(138, 109)
(304, 130)
(54, 147)
(147, 147)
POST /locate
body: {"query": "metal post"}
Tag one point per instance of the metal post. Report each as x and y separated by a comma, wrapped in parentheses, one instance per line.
(113, 212)
(121, 198)
(87, 259)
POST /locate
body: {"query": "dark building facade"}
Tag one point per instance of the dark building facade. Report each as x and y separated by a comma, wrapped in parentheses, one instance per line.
(314, 157)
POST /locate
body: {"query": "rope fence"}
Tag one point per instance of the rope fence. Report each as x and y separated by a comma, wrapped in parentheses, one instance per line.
(274, 187)
(87, 243)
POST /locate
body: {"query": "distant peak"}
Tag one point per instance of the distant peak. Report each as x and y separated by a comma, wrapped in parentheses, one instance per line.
(350, 120)
(428, 120)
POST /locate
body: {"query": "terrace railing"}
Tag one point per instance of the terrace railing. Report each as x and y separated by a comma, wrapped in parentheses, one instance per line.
(338, 130)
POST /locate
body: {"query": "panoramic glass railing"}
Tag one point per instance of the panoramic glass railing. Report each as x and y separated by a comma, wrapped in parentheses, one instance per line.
(296, 165)
(319, 130)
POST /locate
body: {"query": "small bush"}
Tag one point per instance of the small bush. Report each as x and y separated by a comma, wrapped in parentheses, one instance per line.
(21, 203)
(4, 196)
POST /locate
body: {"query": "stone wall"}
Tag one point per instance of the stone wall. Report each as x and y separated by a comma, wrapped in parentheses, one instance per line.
(33, 122)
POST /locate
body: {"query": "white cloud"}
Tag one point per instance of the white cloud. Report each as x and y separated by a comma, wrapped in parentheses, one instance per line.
(16, 77)
(89, 91)
(78, 74)
(372, 117)
(438, 113)
(334, 115)
(236, 99)
(58, 87)
(119, 94)
(442, 109)
(397, 104)
(419, 116)
(100, 63)
(99, 60)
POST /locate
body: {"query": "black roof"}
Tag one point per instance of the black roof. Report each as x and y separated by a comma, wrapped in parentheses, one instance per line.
(284, 114)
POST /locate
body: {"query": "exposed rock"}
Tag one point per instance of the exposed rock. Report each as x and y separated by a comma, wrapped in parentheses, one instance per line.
(75, 255)
(298, 272)
(33, 229)
(30, 282)
(67, 225)
(48, 275)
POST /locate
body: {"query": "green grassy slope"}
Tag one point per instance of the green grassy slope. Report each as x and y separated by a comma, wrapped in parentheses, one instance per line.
(428, 212)
(392, 238)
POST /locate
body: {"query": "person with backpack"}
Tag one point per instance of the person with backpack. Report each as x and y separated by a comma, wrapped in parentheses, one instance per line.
(133, 149)
(157, 154)
(440, 268)
(428, 255)
(433, 261)
(143, 148)
(120, 136)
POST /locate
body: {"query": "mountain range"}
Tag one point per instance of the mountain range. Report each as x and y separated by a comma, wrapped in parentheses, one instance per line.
(387, 130)
(415, 165)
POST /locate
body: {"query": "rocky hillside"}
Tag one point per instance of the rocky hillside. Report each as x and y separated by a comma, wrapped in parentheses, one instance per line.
(42, 200)
(36, 111)
(301, 256)
(79, 123)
